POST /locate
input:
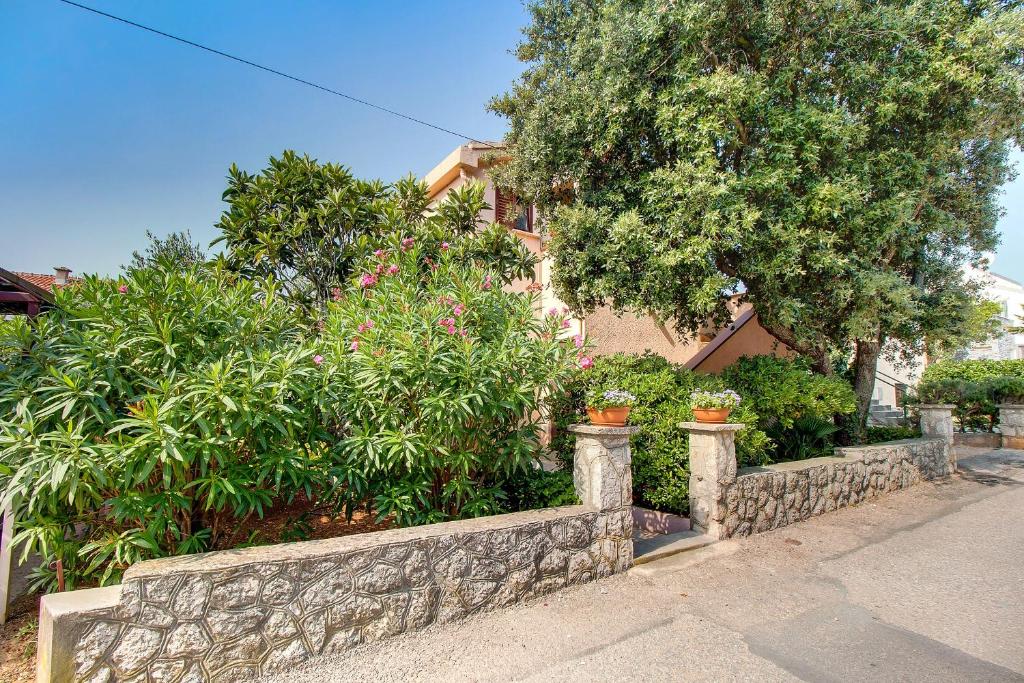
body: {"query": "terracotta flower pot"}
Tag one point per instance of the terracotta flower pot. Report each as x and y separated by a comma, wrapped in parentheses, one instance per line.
(715, 415)
(609, 417)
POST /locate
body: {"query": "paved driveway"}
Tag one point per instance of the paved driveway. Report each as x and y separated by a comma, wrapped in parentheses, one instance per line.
(922, 585)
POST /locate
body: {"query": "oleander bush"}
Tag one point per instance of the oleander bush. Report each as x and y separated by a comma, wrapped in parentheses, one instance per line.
(157, 413)
(146, 416)
(434, 377)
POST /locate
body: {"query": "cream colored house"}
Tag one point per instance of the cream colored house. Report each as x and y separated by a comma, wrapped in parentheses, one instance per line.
(711, 351)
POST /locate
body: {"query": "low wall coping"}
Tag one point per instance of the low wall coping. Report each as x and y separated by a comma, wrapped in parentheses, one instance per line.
(712, 426)
(1010, 406)
(844, 454)
(226, 559)
(944, 406)
(599, 429)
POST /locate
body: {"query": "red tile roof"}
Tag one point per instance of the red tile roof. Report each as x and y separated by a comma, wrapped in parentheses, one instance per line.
(47, 282)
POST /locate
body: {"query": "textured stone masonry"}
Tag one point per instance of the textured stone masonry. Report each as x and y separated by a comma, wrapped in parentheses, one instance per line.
(1011, 425)
(232, 615)
(762, 499)
(726, 502)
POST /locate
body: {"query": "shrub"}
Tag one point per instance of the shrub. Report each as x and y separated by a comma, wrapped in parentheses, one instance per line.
(972, 370)
(977, 401)
(537, 488)
(890, 433)
(148, 415)
(660, 449)
(781, 390)
(434, 378)
(809, 436)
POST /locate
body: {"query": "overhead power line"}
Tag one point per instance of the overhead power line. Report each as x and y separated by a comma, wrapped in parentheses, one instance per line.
(303, 81)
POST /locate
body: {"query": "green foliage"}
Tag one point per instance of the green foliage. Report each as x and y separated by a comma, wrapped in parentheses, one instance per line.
(434, 379)
(177, 249)
(890, 433)
(976, 400)
(781, 390)
(537, 488)
(972, 370)
(660, 449)
(148, 413)
(808, 436)
(835, 163)
(308, 224)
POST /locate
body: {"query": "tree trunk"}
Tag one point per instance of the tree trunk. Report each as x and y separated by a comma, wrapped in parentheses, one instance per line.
(865, 364)
(818, 355)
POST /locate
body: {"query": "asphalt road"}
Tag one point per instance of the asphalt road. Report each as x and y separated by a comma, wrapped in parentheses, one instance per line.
(922, 585)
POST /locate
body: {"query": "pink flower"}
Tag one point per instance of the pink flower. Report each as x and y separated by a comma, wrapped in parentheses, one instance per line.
(462, 332)
(318, 359)
(368, 280)
(380, 253)
(336, 294)
(444, 246)
(553, 311)
(487, 282)
(363, 327)
(459, 308)
(451, 329)
(578, 341)
(446, 322)
(354, 346)
(565, 324)
(123, 289)
(407, 243)
(586, 362)
(393, 269)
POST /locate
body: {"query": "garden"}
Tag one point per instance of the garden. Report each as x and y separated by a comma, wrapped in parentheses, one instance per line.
(352, 361)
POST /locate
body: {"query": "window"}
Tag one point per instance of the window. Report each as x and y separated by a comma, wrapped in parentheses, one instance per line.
(510, 213)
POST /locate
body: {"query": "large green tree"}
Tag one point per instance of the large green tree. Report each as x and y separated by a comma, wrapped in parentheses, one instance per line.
(834, 163)
(306, 224)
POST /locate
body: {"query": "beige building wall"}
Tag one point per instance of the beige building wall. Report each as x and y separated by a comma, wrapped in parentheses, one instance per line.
(629, 333)
(748, 339)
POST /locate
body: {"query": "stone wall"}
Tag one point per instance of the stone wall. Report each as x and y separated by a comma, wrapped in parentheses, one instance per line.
(766, 498)
(231, 615)
(228, 615)
(726, 502)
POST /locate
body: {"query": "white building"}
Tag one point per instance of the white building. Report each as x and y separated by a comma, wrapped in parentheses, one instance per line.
(1009, 294)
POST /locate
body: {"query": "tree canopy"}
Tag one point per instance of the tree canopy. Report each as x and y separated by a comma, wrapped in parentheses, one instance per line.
(306, 224)
(834, 163)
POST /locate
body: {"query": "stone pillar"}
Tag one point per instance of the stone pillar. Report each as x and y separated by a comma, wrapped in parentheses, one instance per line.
(1011, 424)
(712, 472)
(937, 420)
(601, 471)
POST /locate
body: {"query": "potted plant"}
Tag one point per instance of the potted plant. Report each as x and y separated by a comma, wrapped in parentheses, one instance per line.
(713, 406)
(609, 408)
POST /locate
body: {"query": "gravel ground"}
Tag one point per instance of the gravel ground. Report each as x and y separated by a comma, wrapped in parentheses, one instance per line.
(920, 585)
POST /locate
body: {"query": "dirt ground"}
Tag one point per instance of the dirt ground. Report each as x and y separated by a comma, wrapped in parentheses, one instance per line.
(18, 642)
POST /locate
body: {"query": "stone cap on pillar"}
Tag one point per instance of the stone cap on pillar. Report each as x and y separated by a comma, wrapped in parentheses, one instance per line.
(936, 406)
(599, 430)
(712, 426)
(1011, 406)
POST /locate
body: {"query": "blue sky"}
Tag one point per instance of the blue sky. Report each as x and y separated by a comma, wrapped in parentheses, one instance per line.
(106, 130)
